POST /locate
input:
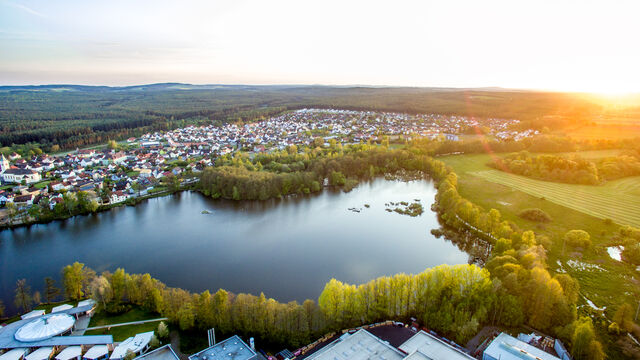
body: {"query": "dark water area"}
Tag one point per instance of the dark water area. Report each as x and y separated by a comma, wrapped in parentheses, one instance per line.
(287, 249)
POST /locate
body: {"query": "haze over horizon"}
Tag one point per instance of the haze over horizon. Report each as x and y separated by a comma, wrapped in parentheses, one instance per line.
(542, 45)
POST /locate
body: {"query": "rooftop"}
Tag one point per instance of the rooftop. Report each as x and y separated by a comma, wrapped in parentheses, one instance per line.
(431, 347)
(506, 347)
(162, 353)
(135, 344)
(361, 345)
(96, 351)
(232, 348)
(44, 327)
(33, 332)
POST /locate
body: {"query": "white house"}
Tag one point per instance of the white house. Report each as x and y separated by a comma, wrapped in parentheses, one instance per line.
(18, 175)
(118, 197)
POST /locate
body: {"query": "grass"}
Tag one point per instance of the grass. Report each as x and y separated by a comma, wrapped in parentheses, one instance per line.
(618, 200)
(120, 333)
(42, 184)
(568, 211)
(136, 314)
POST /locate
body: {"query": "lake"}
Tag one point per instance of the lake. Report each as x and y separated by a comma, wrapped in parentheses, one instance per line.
(286, 248)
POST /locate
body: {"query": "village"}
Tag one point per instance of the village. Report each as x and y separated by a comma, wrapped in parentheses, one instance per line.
(155, 163)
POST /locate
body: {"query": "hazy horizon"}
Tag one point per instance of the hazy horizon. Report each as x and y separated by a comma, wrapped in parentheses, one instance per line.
(564, 46)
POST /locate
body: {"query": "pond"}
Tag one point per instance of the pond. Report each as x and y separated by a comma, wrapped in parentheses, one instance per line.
(287, 249)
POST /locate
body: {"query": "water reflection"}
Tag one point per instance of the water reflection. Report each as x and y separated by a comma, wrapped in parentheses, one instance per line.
(287, 248)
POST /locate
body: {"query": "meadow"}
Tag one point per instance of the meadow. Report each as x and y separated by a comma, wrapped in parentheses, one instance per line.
(571, 207)
(617, 200)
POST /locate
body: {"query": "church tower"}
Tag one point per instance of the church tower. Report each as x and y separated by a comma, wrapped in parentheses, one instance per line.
(4, 164)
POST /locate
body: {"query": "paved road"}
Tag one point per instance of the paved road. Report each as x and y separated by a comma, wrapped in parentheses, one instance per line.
(127, 323)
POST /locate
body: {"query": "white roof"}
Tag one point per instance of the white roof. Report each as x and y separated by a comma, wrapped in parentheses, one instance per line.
(45, 327)
(42, 353)
(70, 352)
(96, 351)
(361, 345)
(86, 302)
(506, 347)
(13, 354)
(32, 314)
(135, 344)
(62, 307)
(432, 347)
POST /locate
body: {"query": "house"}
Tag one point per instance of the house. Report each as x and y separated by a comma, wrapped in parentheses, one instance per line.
(85, 153)
(118, 197)
(23, 200)
(18, 175)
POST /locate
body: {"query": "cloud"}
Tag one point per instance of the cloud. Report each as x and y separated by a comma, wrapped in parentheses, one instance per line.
(25, 9)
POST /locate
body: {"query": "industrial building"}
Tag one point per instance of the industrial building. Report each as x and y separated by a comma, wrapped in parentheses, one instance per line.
(162, 353)
(363, 345)
(232, 348)
(506, 347)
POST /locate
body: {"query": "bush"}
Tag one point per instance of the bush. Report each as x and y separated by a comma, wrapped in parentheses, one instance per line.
(614, 328)
(536, 215)
(578, 239)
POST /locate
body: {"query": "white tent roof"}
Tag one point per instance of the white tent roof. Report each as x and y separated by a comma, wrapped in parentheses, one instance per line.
(135, 344)
(31, 314)
(13, 354)
(96, 352)
(42, 353)
(45, 327)
(70, 352)
(62, 307)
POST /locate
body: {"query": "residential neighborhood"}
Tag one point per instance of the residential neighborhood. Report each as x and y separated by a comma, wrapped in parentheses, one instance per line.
(147, 165)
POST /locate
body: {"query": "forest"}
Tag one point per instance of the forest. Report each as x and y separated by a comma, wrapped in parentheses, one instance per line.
(570, 169)
(70, 116)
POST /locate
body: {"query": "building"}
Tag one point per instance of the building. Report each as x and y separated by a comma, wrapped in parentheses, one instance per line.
(506, 347)
(36, 331)
(399, 343)
(70, 353)
(14, 354)
(136, 344)
(32, 314)
(360, 345)
(4, 164)
(97, 352)
(232, 348)
(118, 197)
(18, 175)
(162, 353)
(423, 344)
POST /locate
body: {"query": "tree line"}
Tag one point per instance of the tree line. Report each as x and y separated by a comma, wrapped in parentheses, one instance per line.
(570, 169)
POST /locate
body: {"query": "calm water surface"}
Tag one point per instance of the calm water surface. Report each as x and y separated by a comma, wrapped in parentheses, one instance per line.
(287, 248)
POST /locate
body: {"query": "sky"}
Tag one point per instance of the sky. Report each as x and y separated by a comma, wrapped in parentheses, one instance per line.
(562, 45)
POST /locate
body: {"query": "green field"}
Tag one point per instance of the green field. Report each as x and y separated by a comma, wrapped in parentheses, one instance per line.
(493, 189)
(122, 332)
(617, 200)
